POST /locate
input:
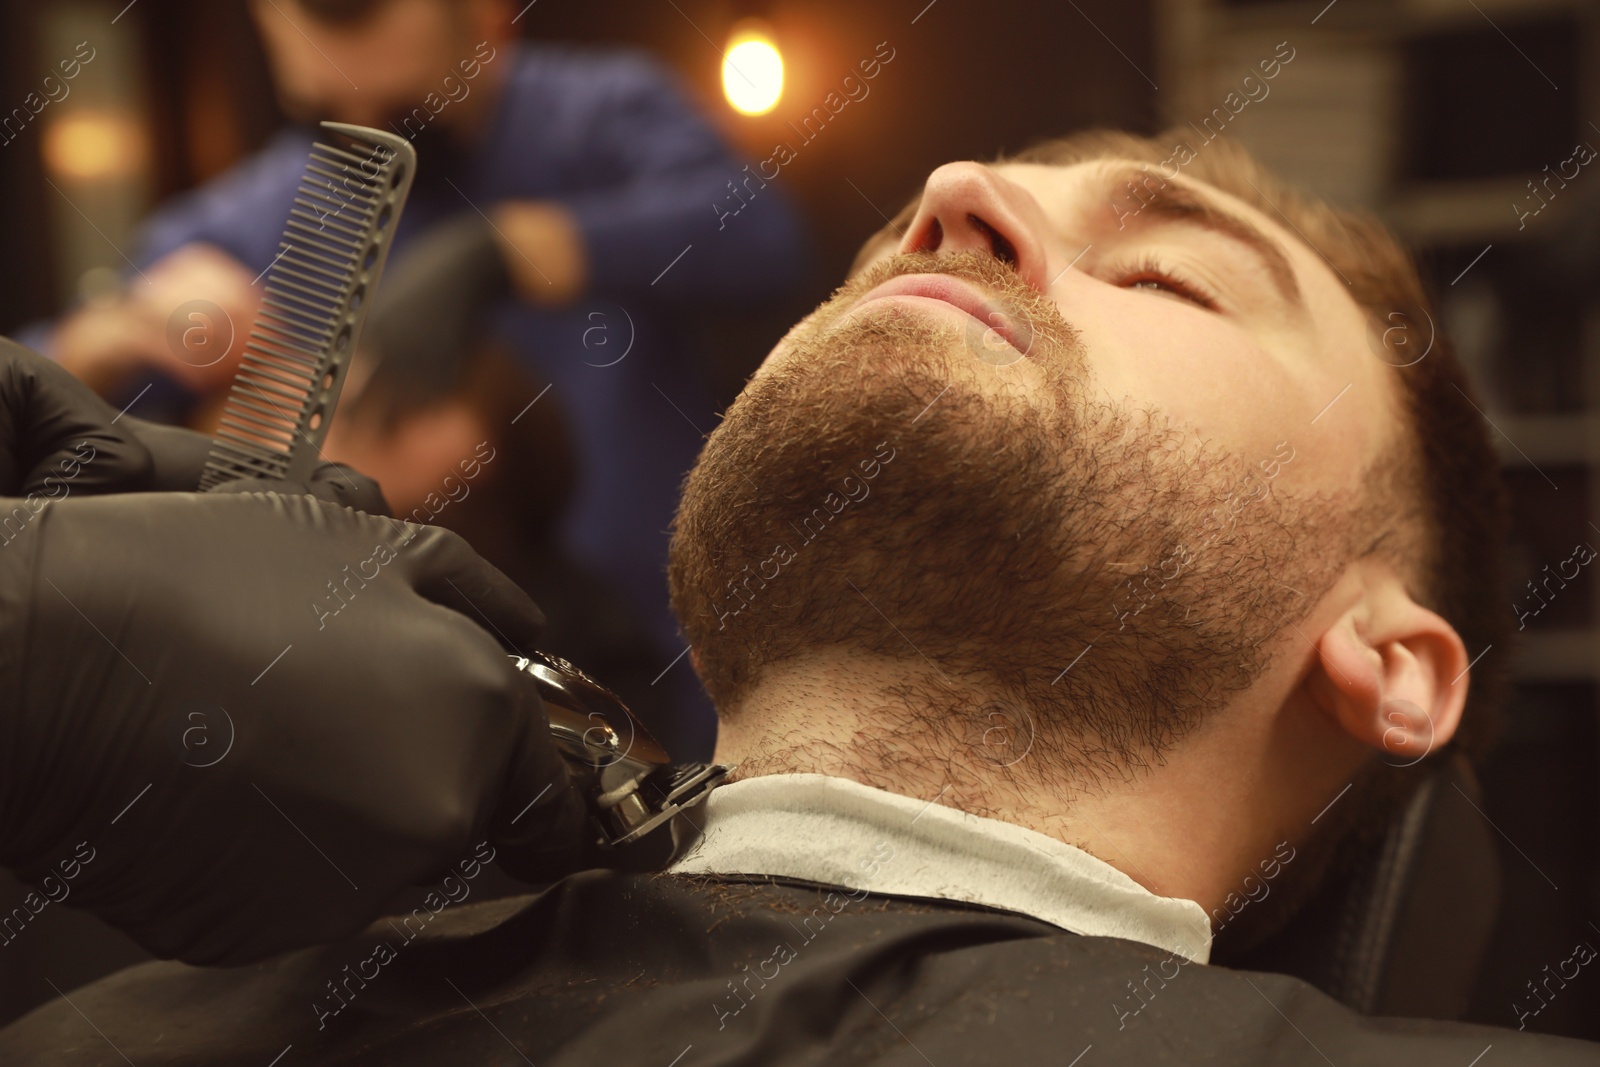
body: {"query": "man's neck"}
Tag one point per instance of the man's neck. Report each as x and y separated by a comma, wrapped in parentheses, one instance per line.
(1190, 826)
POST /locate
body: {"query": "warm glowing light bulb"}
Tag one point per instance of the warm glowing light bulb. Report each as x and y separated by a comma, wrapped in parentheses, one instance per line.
(85, 145)
(752, 73)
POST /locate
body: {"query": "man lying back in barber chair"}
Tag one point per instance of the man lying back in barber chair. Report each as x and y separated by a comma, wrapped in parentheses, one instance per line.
(1088, 562)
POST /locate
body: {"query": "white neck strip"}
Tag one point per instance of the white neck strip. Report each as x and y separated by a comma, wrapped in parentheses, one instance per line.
(839, 832)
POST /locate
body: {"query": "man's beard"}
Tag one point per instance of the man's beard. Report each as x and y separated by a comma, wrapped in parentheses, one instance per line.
(1078, 579)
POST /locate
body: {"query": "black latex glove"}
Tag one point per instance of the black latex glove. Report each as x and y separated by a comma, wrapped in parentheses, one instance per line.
(431, 312)
(58, 438)
(238, 724)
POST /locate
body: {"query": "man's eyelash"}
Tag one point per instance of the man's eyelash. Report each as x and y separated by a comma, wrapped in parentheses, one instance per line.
(1147, 269)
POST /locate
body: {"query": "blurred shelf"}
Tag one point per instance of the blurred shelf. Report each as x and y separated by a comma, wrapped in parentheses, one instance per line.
(1463, 212)
(1389, 18)
(1557, 656)
(1443, 14)
(1541, 439)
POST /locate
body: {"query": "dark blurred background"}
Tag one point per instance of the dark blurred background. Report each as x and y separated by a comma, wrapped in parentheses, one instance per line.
(1437, 114)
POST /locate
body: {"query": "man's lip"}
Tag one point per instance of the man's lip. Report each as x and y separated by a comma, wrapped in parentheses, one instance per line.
(954, 291)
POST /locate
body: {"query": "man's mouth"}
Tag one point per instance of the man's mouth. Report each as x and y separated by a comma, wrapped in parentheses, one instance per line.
(989, 311)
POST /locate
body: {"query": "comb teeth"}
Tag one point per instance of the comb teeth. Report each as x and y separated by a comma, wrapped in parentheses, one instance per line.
(333, 249)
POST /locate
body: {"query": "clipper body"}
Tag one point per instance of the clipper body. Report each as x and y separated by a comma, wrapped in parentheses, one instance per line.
(632, 787)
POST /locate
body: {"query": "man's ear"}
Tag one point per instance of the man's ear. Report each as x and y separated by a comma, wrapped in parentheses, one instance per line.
(1391, 673)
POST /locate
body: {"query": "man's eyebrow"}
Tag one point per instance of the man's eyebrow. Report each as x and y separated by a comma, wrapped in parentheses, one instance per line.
(1160, 200)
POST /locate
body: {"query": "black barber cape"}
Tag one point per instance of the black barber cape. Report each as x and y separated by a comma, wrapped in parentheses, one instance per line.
(678, 971)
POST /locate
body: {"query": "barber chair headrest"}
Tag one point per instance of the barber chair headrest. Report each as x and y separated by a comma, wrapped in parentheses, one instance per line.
(1403, 931)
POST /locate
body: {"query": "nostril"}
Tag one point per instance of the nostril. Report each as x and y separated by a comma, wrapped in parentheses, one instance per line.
(1005, 252)
(1003, 249)
(932, 239)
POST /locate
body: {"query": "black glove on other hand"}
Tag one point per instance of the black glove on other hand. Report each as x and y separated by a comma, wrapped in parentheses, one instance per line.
(244, 721)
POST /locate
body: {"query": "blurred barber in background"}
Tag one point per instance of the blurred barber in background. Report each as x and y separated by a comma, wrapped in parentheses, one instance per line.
(522, 378)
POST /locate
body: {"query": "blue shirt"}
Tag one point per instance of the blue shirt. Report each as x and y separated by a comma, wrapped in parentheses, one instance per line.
(611, 136)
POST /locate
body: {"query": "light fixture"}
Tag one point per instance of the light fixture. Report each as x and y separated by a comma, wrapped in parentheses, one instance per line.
(752, 69)
(86, 144)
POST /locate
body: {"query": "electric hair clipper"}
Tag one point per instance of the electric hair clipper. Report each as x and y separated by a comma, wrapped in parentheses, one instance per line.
(630, 784)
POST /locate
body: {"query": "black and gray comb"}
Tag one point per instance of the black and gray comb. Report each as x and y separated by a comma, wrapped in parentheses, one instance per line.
(317, 292)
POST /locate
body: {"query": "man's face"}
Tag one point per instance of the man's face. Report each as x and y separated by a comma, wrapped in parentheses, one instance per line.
(1099, 516)
(1133, 281)
(371, 72)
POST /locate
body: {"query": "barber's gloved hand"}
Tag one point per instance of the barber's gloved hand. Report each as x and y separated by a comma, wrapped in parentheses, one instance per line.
(432, 311)
(58, 437)
(179, 457)
(237, 724)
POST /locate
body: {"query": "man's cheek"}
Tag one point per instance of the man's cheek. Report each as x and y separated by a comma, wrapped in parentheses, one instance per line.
(1133, 347)
(1192, 369)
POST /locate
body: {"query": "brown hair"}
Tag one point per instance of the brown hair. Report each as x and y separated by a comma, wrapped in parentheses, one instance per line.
(341, 12)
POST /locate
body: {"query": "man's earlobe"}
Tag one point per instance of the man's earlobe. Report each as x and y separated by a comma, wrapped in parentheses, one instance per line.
(1392, 674)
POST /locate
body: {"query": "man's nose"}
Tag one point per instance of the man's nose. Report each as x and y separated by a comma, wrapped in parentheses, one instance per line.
(969, 206)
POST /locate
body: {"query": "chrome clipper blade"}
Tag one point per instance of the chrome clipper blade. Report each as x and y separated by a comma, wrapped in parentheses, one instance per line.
(631, 784)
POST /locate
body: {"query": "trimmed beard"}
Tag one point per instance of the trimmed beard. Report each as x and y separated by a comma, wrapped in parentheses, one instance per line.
(1083, 573)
